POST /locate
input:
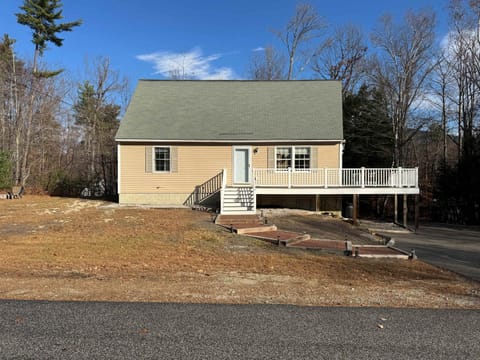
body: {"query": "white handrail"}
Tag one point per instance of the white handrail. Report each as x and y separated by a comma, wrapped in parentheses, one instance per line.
(334, 177)
(222, 189)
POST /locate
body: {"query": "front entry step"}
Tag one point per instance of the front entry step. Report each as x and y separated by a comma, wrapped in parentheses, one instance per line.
(238, 200)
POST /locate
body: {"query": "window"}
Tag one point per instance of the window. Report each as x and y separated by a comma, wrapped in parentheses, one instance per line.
(162, 159)
(296, 158)
(302, 158)
(284, 157)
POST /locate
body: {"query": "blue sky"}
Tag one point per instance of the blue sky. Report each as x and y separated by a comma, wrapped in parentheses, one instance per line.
(217, 37)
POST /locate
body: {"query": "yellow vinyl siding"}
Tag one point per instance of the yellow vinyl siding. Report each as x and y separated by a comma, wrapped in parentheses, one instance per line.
(328, 156)
(196, 163)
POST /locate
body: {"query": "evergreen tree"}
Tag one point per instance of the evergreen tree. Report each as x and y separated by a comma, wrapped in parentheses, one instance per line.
(42, 17)
(98, 119)
(367, 129)
(5, 171)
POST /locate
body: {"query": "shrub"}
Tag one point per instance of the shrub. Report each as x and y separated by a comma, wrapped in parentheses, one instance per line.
(5, 171)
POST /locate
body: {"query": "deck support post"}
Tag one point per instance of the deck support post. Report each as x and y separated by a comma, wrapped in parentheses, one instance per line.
(355, 209)
(317, 203)
(395, 209)
(417, 210)
(405, 210)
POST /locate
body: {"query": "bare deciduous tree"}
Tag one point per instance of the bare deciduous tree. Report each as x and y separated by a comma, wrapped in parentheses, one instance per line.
(443, 89)
(464, 58)
(267, 64)
(304, 26)
(401, 68)
(43, 18)
(340, 57)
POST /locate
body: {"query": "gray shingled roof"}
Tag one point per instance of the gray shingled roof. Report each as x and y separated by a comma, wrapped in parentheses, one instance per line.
(233, 110)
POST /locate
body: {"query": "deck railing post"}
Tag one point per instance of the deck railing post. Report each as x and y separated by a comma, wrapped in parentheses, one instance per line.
(325, 178)
(289, 177)
(222, 190)
(416, 177)
(224, 178)
(400, 177)
(363, 177)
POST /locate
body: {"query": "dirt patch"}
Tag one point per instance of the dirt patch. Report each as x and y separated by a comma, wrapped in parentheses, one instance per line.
(319, 226)
(70, 249)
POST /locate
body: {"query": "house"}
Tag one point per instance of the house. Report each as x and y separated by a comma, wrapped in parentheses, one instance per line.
(241, 145)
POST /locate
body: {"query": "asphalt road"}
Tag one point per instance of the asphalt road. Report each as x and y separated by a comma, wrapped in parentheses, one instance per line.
(456, 248)
(75, 330)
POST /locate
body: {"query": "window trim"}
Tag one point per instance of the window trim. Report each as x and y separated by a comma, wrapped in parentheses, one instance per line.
(292, 147)
(154, 167)
(276, 158)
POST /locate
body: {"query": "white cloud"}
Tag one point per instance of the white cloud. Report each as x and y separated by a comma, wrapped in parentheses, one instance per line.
(189, 65)
(260, 48)
(452, 40)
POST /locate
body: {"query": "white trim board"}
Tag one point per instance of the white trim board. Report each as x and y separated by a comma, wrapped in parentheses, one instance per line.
(335, 191)
(230, 141)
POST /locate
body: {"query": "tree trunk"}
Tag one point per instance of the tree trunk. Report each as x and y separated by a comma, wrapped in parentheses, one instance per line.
(290, 67)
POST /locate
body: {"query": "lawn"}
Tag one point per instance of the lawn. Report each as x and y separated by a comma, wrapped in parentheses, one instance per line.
(72, 249)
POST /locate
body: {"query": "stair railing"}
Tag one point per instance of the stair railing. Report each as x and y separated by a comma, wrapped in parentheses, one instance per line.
(222, 190)
(209, 187)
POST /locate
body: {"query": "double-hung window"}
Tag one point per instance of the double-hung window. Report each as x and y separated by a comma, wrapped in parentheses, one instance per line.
(302, 158)
(284, 158)
(293, 157)
(161, 159)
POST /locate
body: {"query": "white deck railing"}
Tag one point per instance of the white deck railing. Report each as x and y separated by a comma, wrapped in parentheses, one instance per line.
(337, 178)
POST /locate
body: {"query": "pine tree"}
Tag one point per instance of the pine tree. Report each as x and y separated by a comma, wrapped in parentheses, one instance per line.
(368, 135)
(42, 17)
(5, 170)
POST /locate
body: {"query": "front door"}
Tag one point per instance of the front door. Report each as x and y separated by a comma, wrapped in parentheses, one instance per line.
(241, 164)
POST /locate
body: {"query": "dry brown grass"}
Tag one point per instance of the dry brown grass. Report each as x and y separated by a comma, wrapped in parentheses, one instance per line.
(71, 249)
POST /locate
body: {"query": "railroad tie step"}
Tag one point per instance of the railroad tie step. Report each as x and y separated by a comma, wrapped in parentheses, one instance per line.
(238, 219)
(294, 240)
(254, 229)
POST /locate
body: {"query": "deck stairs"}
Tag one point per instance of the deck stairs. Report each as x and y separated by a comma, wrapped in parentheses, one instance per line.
(238, 200)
